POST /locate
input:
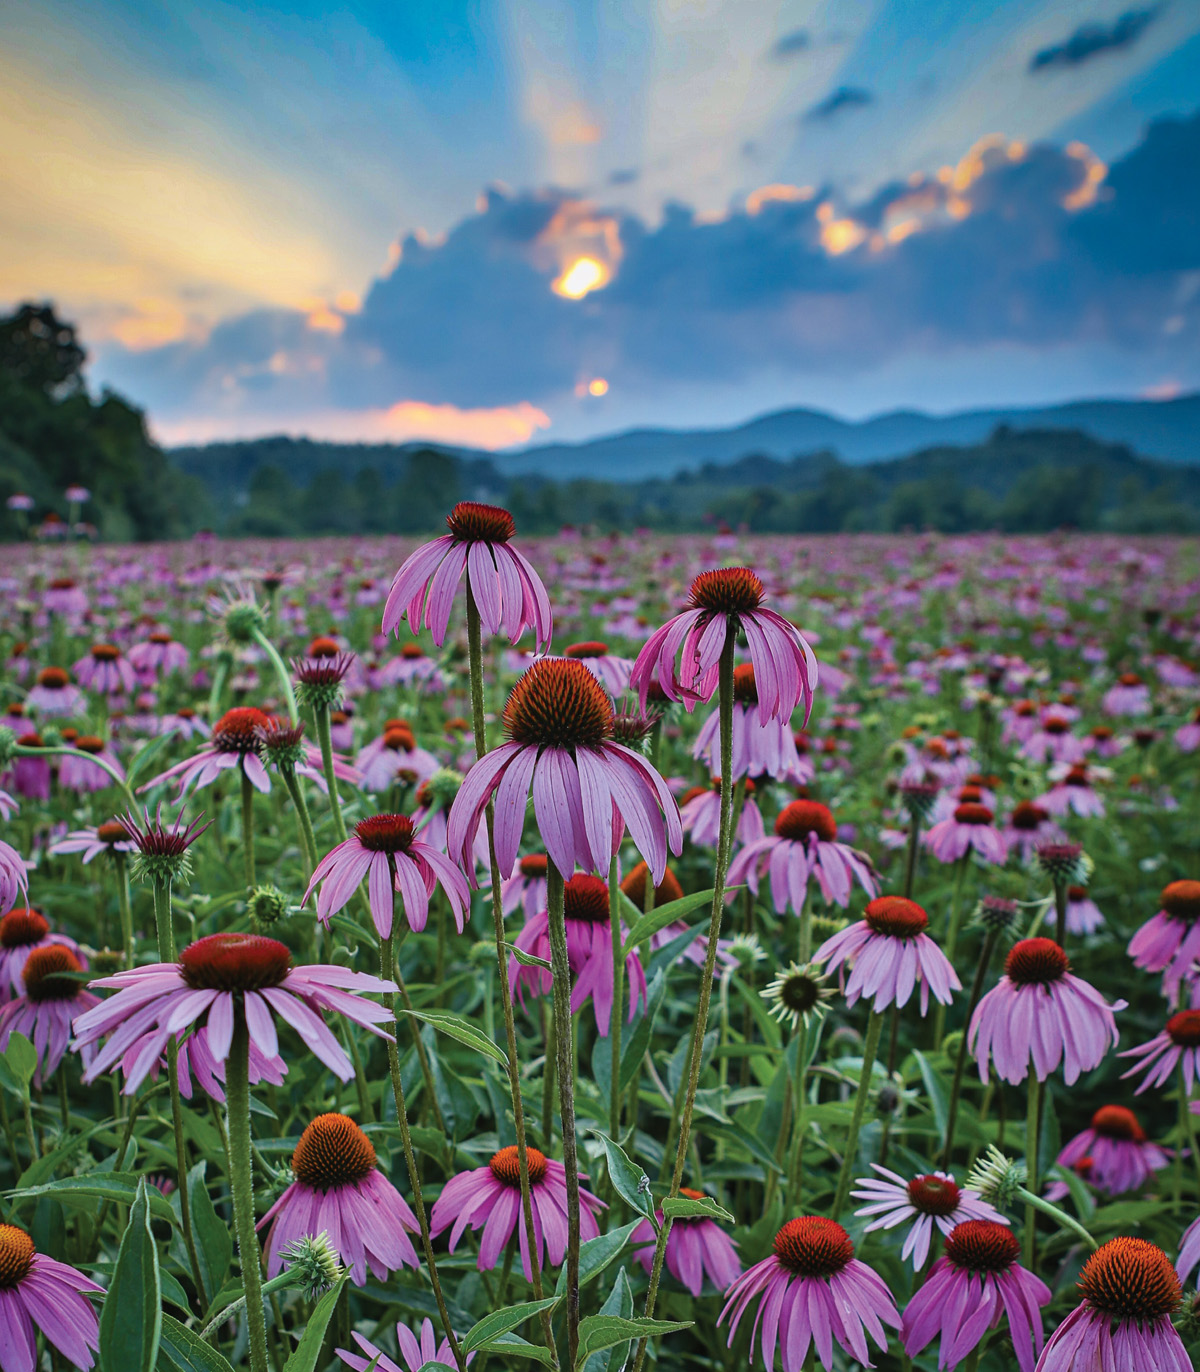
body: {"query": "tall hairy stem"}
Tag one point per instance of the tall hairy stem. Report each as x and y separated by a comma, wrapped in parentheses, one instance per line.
(724, 847)
(325, 739)
(248, 830)
(479, 723)
(241, 1179)
(985, 958)
(616, 1018)
(870, 1052)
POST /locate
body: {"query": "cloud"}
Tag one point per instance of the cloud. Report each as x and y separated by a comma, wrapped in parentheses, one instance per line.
(844, 98)
(624, 176)
(791, 44)
(1090, 40)
(466, 338)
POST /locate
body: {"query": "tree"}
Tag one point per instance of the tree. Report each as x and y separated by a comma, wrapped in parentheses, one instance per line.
(41, 351)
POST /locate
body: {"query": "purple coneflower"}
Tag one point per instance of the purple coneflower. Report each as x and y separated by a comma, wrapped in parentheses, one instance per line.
(1040, 1013)
(21, 931)
(14, 877)
(700, 812)
(413, 1353)
(237, 741)
(804, 845)
(385, 850)
(394, 756)
(1176, 1044)
(526, 886)
(1169, 942)
(53, 696)
(39, 1294)
(1189, 1250)
(106, 671)
(814, 1291)
(507, 591)
(31, 775)
(1083, 914)
(968, 1291)
(64, 596)
(490, 1197)
(48, 1003)
(683, 657)
(586, 788)
(932, 1200)
(1130, 1290)
(1072, 792)
(589, 952)
(1120, 1154)
(697, 1247)
(969, 829)
(1129, 696)
(889, 953)
(159, 655)
(338, 1191)
(611, 672)
(761, 747)
(163, 998)
(76, 771)
(1029, 825)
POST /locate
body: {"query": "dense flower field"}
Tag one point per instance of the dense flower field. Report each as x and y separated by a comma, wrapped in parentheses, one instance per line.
(721, 952)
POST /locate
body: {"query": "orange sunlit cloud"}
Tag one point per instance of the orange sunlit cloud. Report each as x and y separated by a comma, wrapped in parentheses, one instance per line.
(766, 194)
(154, 323)
(583, 275)
(1094, 172)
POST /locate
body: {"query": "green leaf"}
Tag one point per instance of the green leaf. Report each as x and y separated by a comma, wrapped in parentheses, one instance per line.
(662, 915)
(639, 1040)
(596, 1254)
(214, 1242)
(685, 1208)
(131, 1316)
(308, 1350)
(185, 1351)
(459, 1028)
(603, 1331)
(935, 1088)
(619, 1303)
(630, 1182)
(510, 1345)
(739, 1134)
(435, 1367)
(491, 1327)
(45, 1166)
(20, 1057)
(111, 1186)
(526, 959)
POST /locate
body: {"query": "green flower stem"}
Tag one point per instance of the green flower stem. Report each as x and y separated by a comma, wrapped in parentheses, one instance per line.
(281, 672)
(981, 968)
(248, 829)
(561, 976)
(1033, 1124)
(870, 1050)
(165, 929)
(479, 724)
(324, 738)
(241, 1182)
(61, 750)
(388, 962)
(910, 861)
(220, 676)
(125, 905)
(616, 1018)
(1060, 1217)
(939, 1018)
(795, 1180)
(290, 1276)
(724, 846)
(308, 839)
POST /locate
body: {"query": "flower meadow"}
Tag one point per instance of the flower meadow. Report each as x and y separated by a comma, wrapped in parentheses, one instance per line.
(714, 952)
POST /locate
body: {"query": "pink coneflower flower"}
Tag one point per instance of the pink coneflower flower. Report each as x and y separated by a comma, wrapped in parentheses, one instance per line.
(64, 596)
(814, 1291)
(889, 954)
(589, 951)
(194, 1058)
(1040, 1013)
(48, 1003)
(1029, 825)
(969, 829)
(31, 775)
(21, 931)
(394, 756)
(237, 742)
(683, 657)
(106, 671)
(38, 1294)
(77, 773)
(1169, 942)
(611, 672)
(1129, 696)
(338, 1191)
(1053, 741)
(1083, 914)
(1072, 792)
(384, 850)
(1176, 1044)
(932, 1200)
(700, 812)
(508, 593)
(413, 1353)
(414, 667)
(490, 1197)
(1130, 1290)
(1121, 1155)
(697, 1247)
(184, 721)
(166, 997)
(527, 886)
(760, 747)
(1189, 1250)
(586, 788)
(968, 1291)
(1187, 736)
(53, 696)
(14, 877)
(158, 656)
(804, 845)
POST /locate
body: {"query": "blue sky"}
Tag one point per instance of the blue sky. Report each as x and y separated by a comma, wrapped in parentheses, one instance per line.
(498, 222)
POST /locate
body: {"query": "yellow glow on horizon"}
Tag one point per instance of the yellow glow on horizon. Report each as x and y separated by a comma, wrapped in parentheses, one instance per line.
(597, 386)
(583, 275)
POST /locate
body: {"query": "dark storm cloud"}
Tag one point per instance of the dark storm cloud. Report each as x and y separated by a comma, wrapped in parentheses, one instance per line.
(844, 98)
(1090, 40)
(1028, 252)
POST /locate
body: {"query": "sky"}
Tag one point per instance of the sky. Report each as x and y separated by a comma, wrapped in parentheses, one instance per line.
(514, 221)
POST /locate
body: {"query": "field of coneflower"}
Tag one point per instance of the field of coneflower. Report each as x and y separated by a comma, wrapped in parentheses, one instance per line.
(718, 952)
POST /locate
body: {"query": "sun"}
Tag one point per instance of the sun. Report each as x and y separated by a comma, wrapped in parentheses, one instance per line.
(583, 275)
